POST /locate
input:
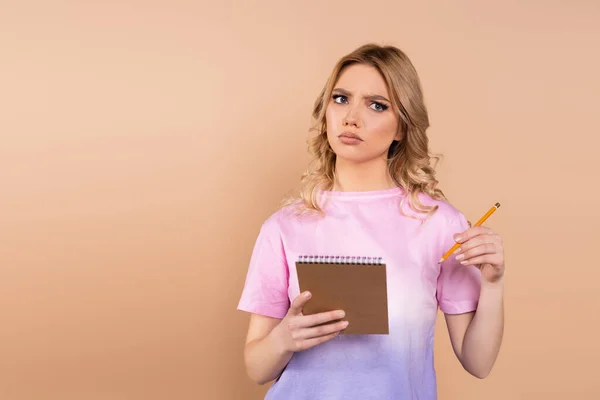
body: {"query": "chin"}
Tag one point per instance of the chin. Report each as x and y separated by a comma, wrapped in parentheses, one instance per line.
(352, 155)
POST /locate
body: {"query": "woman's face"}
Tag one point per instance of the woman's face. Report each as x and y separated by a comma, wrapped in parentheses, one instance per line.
(361, 124)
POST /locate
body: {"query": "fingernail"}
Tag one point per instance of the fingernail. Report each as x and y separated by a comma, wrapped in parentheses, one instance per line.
(341, 314)
(460, 256)
(307, 294)
(464, 262)
(457, 238)
(345, 324)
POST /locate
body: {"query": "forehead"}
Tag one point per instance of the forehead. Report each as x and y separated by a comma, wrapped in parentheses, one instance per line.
(362, 79)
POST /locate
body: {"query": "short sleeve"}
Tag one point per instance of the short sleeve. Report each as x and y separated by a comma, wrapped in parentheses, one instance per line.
(458, 285)
(266, 288)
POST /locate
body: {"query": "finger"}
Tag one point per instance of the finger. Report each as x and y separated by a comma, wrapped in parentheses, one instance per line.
(471, 233)
(308, 321)
(299, 302)
(318, 331)
(493, 259)
(308, 343)
(477, 241)
(485, 248)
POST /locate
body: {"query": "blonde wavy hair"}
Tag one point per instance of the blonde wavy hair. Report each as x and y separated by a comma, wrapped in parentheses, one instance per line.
(409, 160)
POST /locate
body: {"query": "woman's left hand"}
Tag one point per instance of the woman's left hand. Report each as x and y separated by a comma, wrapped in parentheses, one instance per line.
(482, 247)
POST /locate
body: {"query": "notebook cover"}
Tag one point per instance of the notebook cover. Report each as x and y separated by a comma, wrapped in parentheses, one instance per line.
(359, 290)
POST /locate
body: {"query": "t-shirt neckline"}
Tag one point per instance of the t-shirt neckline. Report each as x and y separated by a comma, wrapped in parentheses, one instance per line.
(369, 194)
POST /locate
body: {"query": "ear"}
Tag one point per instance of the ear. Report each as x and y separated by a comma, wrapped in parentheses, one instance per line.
(398, 136)
(399, 133)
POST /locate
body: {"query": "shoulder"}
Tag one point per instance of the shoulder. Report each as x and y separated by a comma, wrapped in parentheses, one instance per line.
(446, 221)
(446, 212)
(286, 217)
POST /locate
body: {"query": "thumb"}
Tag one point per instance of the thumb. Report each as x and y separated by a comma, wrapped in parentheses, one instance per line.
(299, 302)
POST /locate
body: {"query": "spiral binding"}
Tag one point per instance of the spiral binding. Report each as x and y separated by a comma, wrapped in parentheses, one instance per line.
(340, 260)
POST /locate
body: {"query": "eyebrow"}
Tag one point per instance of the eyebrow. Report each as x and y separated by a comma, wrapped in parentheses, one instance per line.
(370, 97)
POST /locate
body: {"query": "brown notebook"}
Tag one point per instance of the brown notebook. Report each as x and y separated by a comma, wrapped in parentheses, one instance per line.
(356, 285)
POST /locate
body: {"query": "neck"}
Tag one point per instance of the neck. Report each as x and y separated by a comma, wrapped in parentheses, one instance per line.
(362, 177)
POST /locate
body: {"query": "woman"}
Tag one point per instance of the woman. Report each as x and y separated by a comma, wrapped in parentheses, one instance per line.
(371, 191)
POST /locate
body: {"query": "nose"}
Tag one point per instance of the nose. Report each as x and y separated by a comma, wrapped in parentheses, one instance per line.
(351, 117)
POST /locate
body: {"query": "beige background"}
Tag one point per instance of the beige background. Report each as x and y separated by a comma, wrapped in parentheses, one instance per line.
(143, 144)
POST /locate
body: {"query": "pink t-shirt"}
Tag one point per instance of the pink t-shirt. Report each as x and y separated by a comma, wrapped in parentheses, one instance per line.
(370, 224)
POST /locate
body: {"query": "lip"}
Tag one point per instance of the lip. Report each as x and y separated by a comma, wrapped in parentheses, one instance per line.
(350, 135)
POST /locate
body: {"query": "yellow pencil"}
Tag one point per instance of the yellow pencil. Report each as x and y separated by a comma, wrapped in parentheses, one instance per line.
(478, 223)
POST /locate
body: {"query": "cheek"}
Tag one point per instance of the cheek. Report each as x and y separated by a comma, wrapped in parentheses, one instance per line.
(383, 127)
(331, 114)
(332, 119)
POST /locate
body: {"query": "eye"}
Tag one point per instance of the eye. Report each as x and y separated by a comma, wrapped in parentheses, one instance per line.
(340, 99)
(378, 107)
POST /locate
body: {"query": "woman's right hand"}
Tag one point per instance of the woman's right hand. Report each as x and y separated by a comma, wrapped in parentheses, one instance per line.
(297, 332)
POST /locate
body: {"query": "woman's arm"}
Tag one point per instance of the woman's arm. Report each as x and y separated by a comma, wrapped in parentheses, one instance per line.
(476, 336)
(271, 342)
(264, 355)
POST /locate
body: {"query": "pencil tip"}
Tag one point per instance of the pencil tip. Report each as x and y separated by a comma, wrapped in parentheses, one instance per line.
(497, 205)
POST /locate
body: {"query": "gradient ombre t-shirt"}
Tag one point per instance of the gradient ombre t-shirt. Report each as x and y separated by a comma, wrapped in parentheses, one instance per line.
(396, 366)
